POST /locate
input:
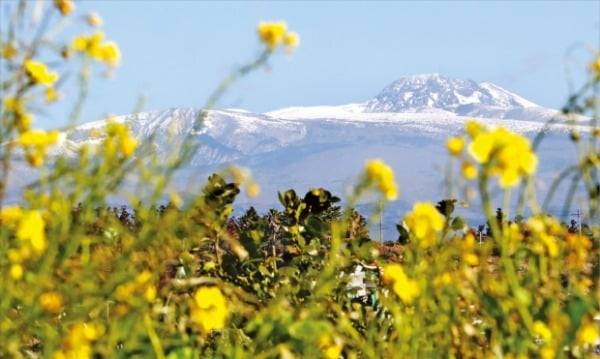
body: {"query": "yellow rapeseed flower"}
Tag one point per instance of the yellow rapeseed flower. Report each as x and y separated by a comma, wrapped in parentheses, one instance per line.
(51, 302)
(11, 215)
(588, 333)
(64, 6)
(16, 271)
(109, 53)
(94, 19)
(209, 309)
(331, 347)
(31, 228)
(382, 176)
(424, 222)
(38, 138)
(504, 154)
(469, 170)
(253, 190)
(39, 74)
(8, 51)
(94, 47)
(455, 145)
(127, 145)
(291, 40)
(405, 288)
(595, 65)
(51, 95)
(272, 34)
(540, 329)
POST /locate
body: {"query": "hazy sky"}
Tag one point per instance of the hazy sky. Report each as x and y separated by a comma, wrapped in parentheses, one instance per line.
(176, 52)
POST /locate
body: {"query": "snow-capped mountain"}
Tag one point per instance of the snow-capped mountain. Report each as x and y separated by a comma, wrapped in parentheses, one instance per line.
(437, 93)
(326, 146)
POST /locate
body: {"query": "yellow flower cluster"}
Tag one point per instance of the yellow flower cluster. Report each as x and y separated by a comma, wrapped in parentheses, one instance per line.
(330, 346)
(8, 50)
(35, 142)
(21, 119)
(424, 222)
(455, 145)
(39, 74)
(502, 153)
(545, 231)
(28, 227)
(405, 288)
(119, 139)
(142, 285)
(78, 341)
(209, 309)
(51, 302)
(381, 175)
(275, 33)
(64, 6)
(92, 45)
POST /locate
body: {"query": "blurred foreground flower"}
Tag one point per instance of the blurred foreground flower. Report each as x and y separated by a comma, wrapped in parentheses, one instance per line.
(405, 288)
(381, 175)
(39, 74)
(209, 309)
(92, 45)
(424, 222)
(502, 153)
(274, 34)
(64, 6)
(35, 142)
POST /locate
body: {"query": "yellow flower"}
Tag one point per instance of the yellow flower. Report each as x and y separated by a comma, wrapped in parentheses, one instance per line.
(64, 6)
(291, 41)
(94, 19)
(253, 190)
(31, 228)
(109, 53)
(424, 222)
(595, 65)
(21, 119)
(331, 347)
(51, 302)
(51, 95)
(405, 288)
(78, 341)
(470, 258)
(93, 47)
(10, 215)
(38, 138)
(474, 128)
(9, 50)
(88, 43)
(16, 271)
(272, 33)
(469, 170)
(455, 145)
(503, 153)
(127, 145)
(381, 175)
(588, 333)
(540, 329)
(209, 309)
(39, 74)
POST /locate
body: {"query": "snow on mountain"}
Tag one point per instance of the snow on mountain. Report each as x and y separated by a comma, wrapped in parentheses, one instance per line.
(326, 146)
(437, 93)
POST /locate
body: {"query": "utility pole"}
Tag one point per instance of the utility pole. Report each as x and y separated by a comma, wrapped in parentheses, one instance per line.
(381, 226)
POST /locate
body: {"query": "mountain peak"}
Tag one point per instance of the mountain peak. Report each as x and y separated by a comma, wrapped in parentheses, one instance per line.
(435, 92)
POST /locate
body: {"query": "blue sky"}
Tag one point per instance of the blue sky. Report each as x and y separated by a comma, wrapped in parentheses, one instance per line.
(176, 52)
